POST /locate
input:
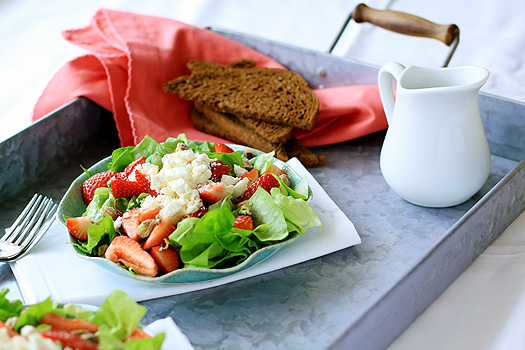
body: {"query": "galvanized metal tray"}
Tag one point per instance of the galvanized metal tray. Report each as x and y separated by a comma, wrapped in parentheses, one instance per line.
(357, 298)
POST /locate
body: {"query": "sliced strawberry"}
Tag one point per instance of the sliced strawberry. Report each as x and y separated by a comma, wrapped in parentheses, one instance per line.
(124, 188)
(146, 214)
(167, 259)
(91, 184)
(252, 175)
(68, 324)
(273, 169)
(213, 192)
(266, 181)
(145, 182)
(162, 231)
(218, 168)
(243, 222)
(69, 339)
(129, 252)
(78, 226)
(138, 334)
(221, 148)
(131, 166)
(130, 223)
(11, 333)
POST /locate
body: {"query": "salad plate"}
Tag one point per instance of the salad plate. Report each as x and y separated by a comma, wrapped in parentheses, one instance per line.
(72, 205)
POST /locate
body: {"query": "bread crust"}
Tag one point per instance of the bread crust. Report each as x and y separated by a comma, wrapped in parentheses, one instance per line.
(269, 94)
(246, 138)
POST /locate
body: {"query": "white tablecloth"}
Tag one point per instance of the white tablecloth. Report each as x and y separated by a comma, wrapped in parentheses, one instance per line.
(484, 307)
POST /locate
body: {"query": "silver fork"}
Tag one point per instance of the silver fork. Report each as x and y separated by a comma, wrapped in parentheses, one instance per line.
(28, 228)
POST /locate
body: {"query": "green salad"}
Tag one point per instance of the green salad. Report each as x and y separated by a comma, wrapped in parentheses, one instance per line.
(164, 206)
(114, 325)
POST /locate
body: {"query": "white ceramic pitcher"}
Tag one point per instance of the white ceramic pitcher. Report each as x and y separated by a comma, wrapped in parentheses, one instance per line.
(435, 153)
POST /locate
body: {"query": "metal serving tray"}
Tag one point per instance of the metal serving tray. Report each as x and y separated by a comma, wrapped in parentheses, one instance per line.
(362, 297)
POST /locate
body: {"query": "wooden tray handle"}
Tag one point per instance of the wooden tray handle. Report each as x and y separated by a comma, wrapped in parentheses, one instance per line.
(405, 23)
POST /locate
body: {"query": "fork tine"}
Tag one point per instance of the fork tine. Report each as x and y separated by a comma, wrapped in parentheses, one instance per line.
(35, 225)
(26, 209)
(38, 214)
(47, 224)
(22, 219)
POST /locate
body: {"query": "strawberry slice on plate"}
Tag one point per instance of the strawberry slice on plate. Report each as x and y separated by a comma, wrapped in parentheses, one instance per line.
(243, 222)
(68, 324)
(266, 181)
(129, 252)
(162, 230)
(91, 184)
(221, 148)
(213, 192)
(218, 168)
(78, 226)
(167, 259)
(252, 175)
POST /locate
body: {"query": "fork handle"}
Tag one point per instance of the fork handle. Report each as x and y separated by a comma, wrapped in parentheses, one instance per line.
(405, 23)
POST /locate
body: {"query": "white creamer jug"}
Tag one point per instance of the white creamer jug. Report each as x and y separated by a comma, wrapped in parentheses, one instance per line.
(435, 153)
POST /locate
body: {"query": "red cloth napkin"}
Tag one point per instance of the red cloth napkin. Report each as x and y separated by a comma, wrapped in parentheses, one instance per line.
(130, 56)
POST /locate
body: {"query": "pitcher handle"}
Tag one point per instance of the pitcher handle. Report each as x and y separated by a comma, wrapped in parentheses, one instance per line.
(386, 90)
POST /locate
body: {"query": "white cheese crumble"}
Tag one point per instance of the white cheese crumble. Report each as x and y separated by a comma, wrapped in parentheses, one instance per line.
(182, 172)
(239, 171)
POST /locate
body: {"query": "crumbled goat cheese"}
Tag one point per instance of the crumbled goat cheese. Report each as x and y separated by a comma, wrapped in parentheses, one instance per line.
(182, 172)
(239, 171)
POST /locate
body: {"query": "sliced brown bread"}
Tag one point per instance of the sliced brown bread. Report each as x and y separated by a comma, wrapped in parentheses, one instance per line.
(273, 133)
(294, 148)
(273, 95)
(199, 66)
(242, 137)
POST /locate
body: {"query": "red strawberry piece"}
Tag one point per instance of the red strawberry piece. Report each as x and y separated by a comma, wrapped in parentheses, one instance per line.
(131, 219)
(146, 214)
(145, 182)
(69, 339)
(221, 148)
(162, 230)
(138, 334)
(129, 252)
(167, 259)
(124, 188)
(131, 166)
(252, 175)
(68, 324)
(11, 333)
(266, 181)
(273, 169)
(218, 168)
(213, 192)
(130, 223)
(243, 222)
(78, 226)
(91, 184)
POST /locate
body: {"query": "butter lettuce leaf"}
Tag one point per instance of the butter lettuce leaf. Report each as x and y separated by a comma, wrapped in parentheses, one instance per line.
(8, 308)
(296, 210)
(265, 211)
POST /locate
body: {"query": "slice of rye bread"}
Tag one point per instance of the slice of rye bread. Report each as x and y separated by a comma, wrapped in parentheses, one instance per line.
(249, 139)
(294, 148)
(196, 66)
(273, 133)
(270, 94)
